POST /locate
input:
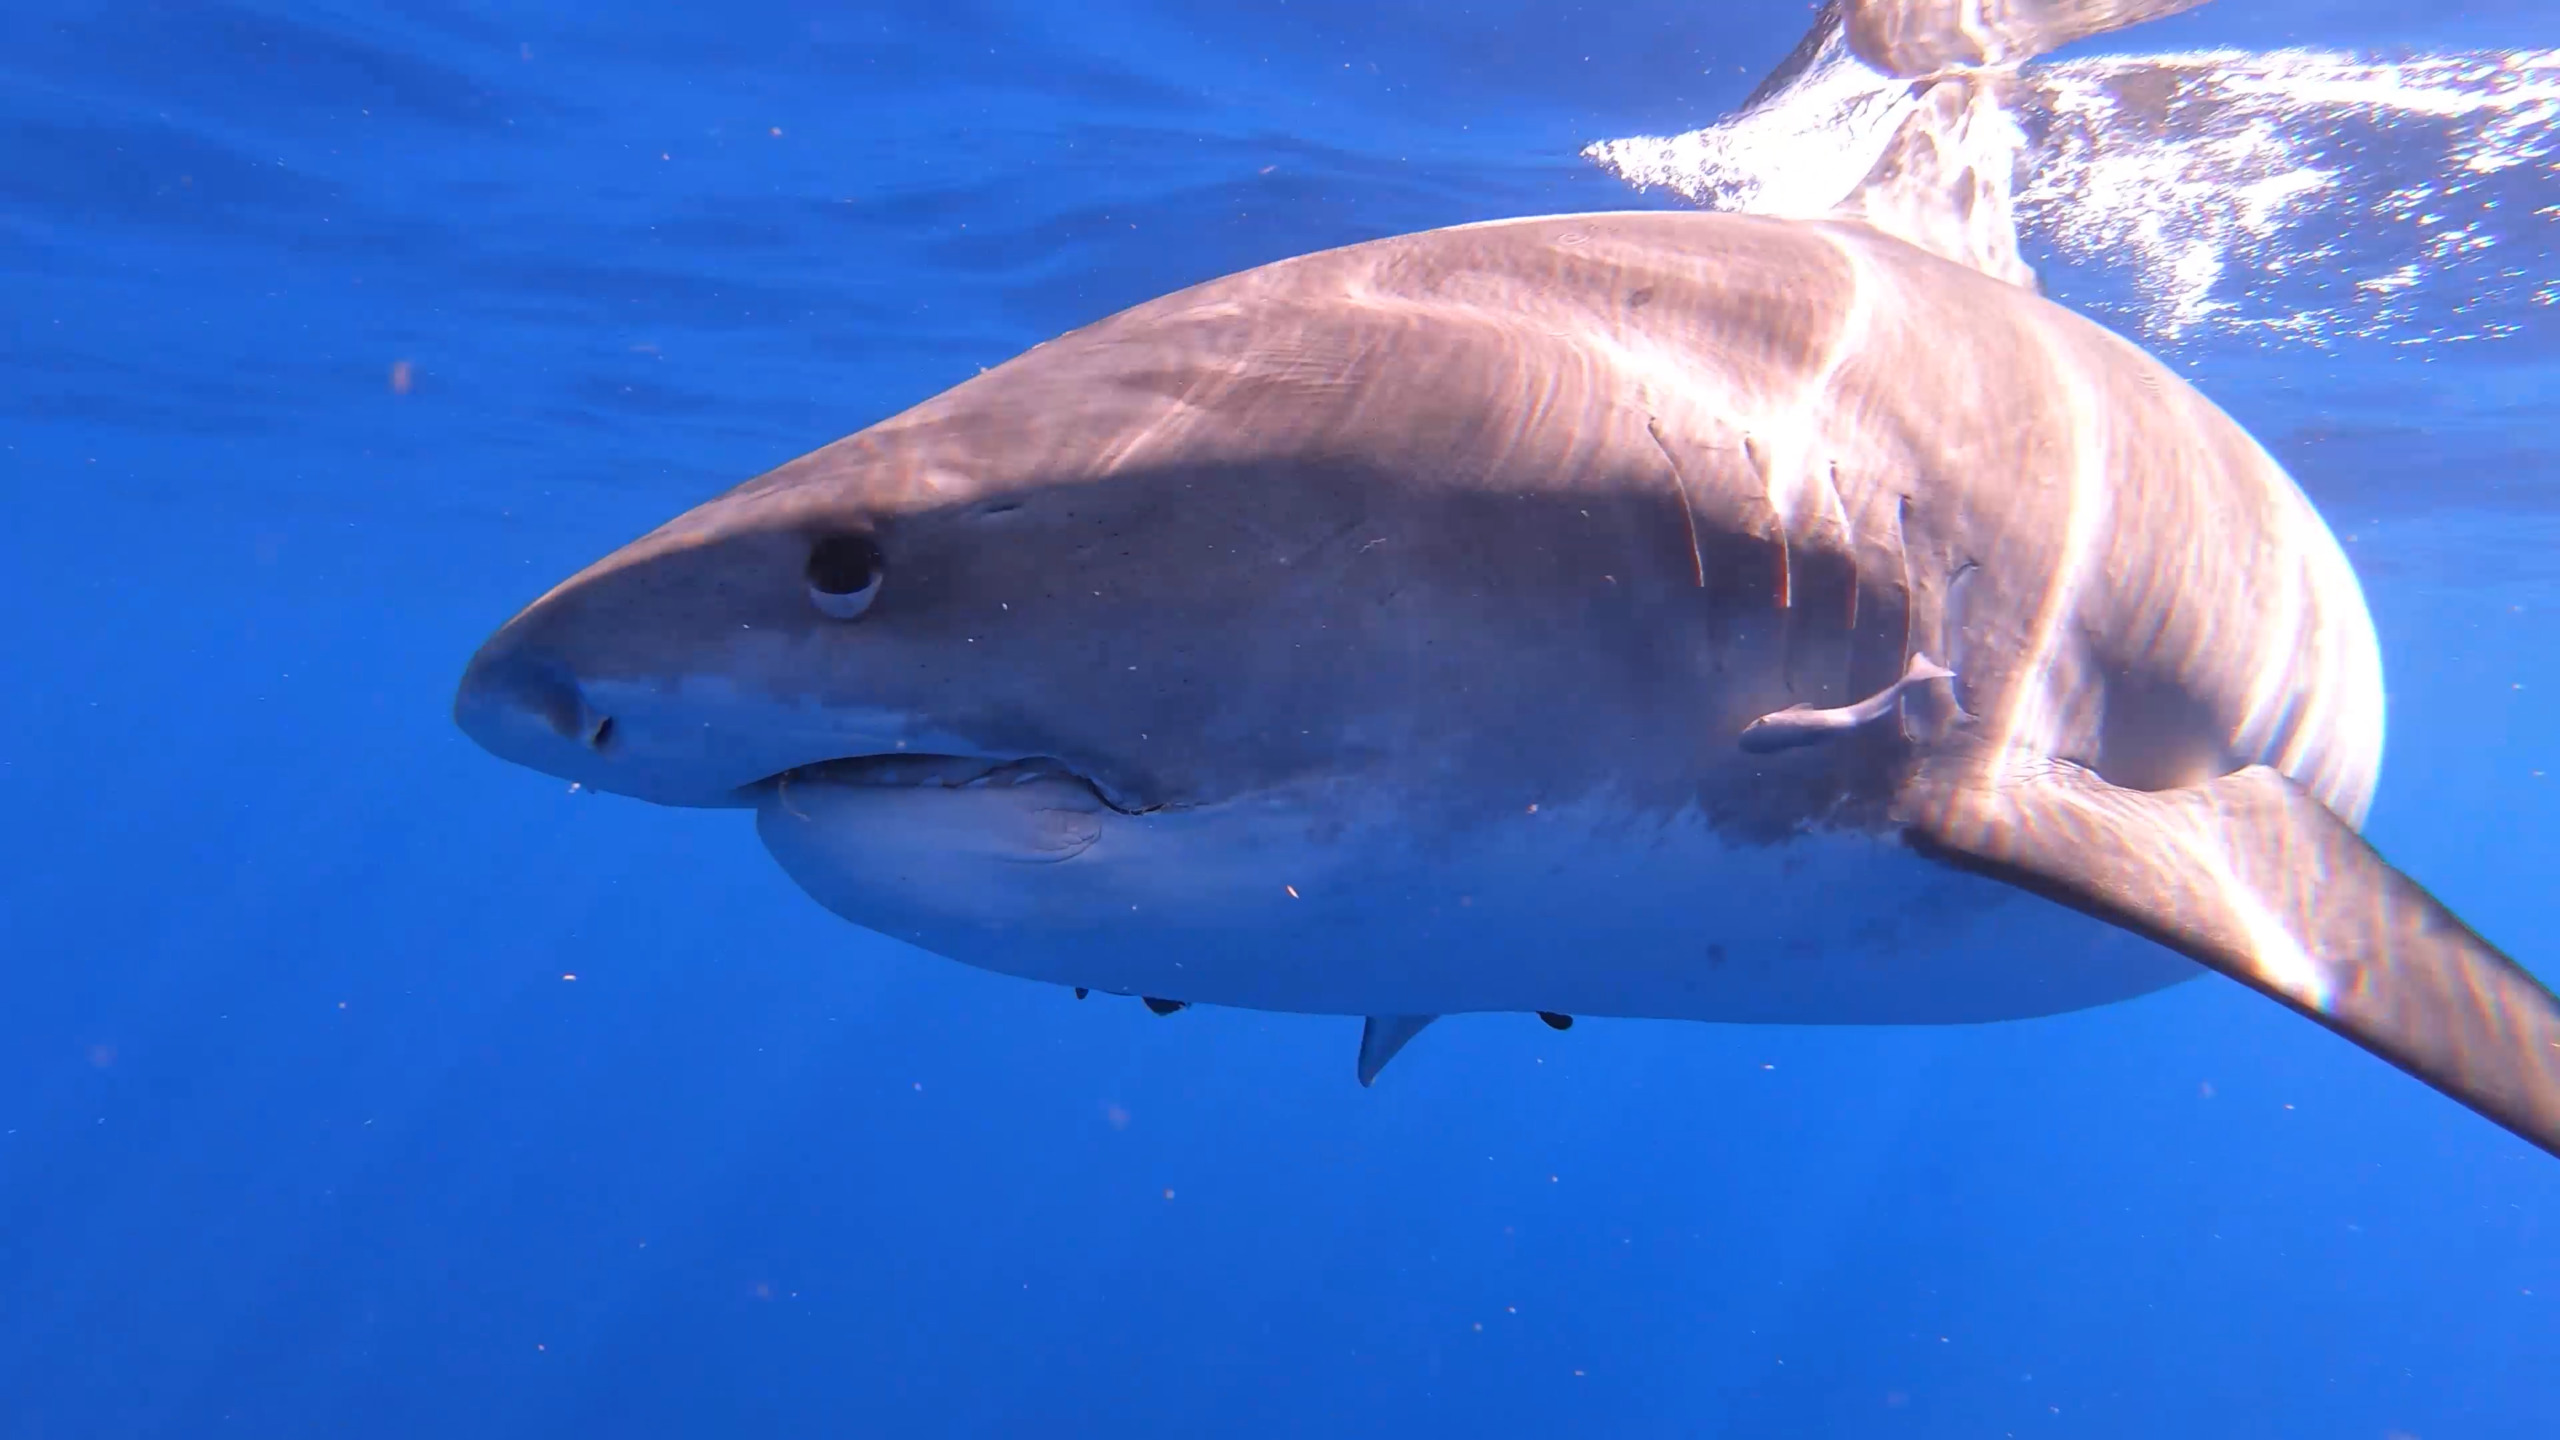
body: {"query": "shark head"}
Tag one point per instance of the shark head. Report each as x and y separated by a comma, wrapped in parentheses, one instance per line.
(1125, 603)
(986, 595)
(955, 646)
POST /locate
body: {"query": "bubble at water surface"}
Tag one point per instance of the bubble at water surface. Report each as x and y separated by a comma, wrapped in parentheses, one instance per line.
(2298, 195)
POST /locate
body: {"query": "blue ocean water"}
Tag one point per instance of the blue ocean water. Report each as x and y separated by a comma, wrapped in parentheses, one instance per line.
(336, 332)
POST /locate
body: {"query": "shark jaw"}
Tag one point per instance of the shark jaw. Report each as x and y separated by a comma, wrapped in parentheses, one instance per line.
(902, 770)
(706, 742)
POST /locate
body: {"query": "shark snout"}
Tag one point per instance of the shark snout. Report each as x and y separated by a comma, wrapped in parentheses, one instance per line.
(527, 707)
(686, 737)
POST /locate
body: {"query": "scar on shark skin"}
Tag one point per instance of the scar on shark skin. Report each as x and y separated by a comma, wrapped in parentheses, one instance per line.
(782, 796)
(1800, 725)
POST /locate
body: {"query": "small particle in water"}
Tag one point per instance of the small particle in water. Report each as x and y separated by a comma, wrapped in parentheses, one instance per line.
(1292, 889)
(572, 975)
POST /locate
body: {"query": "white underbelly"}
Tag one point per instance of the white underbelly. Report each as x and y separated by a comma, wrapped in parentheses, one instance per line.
(1583, 911)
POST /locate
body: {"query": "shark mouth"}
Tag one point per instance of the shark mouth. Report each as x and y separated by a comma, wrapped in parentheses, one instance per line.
(947, 772)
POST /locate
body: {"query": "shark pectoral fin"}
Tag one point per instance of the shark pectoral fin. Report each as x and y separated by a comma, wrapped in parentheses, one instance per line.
(1381, 1036)
(2250, 875)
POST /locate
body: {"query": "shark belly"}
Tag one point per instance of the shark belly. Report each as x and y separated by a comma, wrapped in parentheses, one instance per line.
(1291, 905)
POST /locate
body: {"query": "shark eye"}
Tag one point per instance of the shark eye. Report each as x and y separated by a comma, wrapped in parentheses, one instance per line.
(844, 575)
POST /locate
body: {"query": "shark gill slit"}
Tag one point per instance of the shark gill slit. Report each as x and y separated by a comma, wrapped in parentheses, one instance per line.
(1771, 528)
(1850, 534)
(1901, 642)
(1680, 486)
(1739, 559)
(1784, 597)
(1902, 553)
(1818, 651)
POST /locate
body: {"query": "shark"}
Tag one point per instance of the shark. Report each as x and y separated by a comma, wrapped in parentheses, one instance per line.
(1730, 617)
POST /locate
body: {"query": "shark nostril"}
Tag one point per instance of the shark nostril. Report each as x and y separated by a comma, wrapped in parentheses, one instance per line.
(510, 692)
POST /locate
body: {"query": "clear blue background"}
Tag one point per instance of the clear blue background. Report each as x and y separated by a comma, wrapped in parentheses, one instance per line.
(307, 1133)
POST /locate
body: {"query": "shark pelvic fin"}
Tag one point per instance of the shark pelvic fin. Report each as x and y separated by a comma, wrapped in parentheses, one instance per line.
(1381, 1036)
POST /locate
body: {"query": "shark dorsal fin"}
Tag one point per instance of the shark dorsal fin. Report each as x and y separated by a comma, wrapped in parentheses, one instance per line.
(1914, 38)
(1944, 182)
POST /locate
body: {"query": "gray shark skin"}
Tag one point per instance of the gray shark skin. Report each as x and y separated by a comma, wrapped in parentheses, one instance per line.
(1372, 632)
